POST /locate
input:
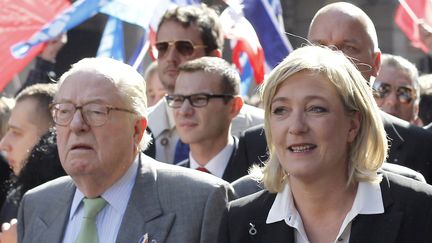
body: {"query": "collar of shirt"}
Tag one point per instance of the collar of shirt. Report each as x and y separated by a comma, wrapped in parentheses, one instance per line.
(160, 118)
(170, 115)
(368, 200)
(218, 163)
(116, 195)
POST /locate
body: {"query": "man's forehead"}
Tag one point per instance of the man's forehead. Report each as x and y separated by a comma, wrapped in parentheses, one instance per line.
(175, 30)
(201, 80)
(22, 115)
(84, 88)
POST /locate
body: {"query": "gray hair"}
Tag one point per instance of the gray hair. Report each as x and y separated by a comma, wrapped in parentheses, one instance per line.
(126, 79)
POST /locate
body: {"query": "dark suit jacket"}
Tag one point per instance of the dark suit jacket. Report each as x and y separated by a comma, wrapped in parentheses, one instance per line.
(410, 145)
(5, 174)
(236, 167)
(170, 203)
(407, 217)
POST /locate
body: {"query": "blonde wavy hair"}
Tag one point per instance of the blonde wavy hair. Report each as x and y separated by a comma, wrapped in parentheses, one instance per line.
(368, 150)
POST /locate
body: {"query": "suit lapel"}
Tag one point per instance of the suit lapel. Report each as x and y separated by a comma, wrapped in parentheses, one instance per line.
(275, 232)
(396, 139)
(378, 227)
(51, 225)
(144, 213)
(259, 231)
(235, 169)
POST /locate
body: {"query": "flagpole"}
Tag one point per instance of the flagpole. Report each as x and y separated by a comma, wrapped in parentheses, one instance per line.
(141, 55)
(409, 11)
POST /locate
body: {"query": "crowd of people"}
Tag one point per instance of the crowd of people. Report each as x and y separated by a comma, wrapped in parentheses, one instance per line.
(337, 153)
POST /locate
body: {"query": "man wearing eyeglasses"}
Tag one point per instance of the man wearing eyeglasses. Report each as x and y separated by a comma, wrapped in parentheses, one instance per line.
(205, 100)
(186, 33)
(396, 88)
(113, 192)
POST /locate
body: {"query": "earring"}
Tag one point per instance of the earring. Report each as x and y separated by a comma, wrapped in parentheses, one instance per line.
(285, 176)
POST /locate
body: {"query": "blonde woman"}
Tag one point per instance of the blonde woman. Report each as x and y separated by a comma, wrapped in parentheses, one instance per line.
(326, 142)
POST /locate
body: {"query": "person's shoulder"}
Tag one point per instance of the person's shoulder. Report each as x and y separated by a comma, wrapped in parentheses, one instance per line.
(403, 188)
(157, 110)
(257, 130)
(158, 107)
(246, 185)
(256, 206)
(55, 187)
(257, 200)
(252, 112)
(175, 175)
(402, 170)
(405, 129)
(158, 120)
(428, 127)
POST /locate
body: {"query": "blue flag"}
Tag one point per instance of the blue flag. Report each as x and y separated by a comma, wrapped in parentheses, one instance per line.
(112, 43)
(263, 18)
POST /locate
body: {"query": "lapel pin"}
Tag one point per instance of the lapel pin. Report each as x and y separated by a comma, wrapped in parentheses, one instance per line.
(252, 230)
(144, 238)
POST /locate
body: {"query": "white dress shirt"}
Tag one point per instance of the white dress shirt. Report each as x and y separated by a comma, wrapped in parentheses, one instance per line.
(218, 163)
(109, 219)
(368, 200)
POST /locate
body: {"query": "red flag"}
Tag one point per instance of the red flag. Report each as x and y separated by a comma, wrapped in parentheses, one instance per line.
(406, 17)
(238, 29)
(19, 19)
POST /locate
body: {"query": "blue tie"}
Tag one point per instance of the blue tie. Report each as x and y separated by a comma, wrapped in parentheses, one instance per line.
(181, 152)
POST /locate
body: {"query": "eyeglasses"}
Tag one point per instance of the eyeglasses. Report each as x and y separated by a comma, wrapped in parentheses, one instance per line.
(196, 100)
(184, 47)
(93, 114)
(405, 94)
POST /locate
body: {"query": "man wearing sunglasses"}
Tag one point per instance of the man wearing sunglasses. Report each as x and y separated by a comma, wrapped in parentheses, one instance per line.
(205, 101)
(186, 33)
(396, 88)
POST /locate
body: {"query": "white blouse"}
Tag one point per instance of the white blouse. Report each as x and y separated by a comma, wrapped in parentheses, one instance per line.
(368, 200)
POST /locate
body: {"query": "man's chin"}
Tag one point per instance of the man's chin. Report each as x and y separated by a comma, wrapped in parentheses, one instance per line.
(169, 85)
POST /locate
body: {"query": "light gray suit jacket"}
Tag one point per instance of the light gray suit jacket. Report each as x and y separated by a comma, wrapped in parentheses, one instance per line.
(170, 203)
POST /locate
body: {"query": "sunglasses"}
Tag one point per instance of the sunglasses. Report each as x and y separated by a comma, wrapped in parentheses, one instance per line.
(405, 94)
(184, 47)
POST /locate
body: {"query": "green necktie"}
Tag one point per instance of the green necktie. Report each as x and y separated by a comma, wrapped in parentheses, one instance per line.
(88, 232)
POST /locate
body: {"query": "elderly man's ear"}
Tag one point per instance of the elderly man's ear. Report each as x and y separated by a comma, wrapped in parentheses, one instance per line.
(140, 127)
(236, 105)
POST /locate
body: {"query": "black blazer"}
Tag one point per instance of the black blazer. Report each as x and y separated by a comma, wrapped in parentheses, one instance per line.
(5, 174)
(236, 167)
(410, 145)
(407, 217)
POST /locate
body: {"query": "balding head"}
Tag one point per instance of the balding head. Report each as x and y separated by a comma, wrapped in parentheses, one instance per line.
(348, 28)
